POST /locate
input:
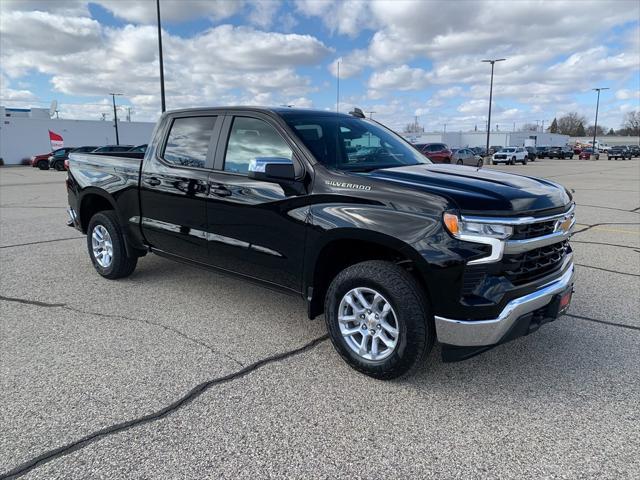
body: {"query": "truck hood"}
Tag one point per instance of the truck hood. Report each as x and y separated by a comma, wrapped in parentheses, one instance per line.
(481, 190)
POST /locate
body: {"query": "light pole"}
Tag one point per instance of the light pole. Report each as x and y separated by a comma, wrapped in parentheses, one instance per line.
(115, 115)
(492, 62)
(164, 106)
(595, 126)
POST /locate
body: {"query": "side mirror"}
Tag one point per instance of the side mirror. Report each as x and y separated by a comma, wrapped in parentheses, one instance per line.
(272, 169)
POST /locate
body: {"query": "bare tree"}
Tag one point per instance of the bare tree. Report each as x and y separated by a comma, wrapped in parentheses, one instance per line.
(529, 127)
(601, 130)
(630, 124)
(572, 124)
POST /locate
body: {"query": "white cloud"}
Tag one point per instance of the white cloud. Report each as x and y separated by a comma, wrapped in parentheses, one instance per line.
(172, 10)
(399, 78)
(624, 94)
(344, 17)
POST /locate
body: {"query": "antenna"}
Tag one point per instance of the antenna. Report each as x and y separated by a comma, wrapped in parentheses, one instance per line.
(338, 88)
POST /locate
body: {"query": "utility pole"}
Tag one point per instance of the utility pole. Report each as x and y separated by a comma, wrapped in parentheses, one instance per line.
(128, 114)
(338, 88)
(445, 128)
(595, 126)
(164, 106)
(115, 115)
(492, 62)
(542, 126)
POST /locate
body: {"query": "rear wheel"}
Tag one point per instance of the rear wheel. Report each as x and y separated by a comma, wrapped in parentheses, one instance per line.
(59, 165)
(459, 162)
(43, 165)
(513, 160)
(106, 246)
(378, 319)
(480, 163)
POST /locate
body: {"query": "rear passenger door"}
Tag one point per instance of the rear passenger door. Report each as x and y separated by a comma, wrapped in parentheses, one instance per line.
(256, 228)
(174, 186)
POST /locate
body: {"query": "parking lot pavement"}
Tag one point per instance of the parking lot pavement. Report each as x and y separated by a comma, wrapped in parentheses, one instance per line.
(99, 378)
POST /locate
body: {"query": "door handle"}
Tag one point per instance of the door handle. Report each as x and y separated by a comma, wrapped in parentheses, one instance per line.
(153, 181)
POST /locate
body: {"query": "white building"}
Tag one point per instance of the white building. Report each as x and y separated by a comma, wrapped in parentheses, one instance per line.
(25, 132)
(479, 139)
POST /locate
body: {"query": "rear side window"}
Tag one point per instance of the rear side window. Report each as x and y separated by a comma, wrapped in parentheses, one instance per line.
(249, 139)
(188, 141)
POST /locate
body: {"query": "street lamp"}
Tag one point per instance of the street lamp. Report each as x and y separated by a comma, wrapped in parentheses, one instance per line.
(595, 126)
(492, 62)
(115, 115)
(164, 107)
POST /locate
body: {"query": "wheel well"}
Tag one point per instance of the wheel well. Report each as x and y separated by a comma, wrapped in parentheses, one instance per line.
(92, 204)
(340, 254)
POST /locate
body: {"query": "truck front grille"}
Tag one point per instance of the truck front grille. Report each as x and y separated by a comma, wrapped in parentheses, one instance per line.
(532, 230)
(534, 264)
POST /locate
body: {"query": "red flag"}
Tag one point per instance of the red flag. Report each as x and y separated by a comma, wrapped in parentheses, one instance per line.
(55, 140)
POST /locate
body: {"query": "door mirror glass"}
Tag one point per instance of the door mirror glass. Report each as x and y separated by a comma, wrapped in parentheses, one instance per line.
(271, 169)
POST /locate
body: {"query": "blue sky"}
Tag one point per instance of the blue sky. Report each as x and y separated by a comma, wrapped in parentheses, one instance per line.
(398, 58)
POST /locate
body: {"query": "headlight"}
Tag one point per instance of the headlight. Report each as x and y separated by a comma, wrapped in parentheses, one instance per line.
(462, 230)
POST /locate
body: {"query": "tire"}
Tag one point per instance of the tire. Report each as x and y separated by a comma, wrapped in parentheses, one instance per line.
(43, 165)
(459, 162)
(524, 161)
(59, 166)
(480, 163)
(513, 161)
(120, 265)
(409, 314)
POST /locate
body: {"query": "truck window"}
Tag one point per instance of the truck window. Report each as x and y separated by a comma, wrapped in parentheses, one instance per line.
(188, 141)
(249, 139)
(353, 144)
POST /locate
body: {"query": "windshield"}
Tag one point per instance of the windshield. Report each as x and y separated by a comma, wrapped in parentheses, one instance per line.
(353, 144)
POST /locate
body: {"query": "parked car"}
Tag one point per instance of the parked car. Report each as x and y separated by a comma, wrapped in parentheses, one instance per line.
(559, 152)
(586, 153)
(510, 156)
(531, 153)
(395, 252)
(635, 150)
(436, 152)
(465, 156)
(482, 151)
(541, 151)
(42, 161)
(577, 149)
(619, 151)
(139, 148)
(57, 160)
(113, 148)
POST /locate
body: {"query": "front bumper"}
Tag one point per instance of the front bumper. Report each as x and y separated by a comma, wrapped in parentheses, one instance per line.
(487, 333)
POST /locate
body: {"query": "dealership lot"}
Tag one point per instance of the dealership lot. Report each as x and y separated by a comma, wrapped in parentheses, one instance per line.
(98, 377)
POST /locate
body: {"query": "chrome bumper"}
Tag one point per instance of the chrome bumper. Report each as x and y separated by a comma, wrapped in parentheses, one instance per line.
(477, 333)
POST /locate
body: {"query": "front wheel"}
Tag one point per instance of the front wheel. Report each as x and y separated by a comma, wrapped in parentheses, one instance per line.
(106, 246)
(378, 319)
(480, 163)
(524, 161)
(459, 162)
(43, 165)
(59, 166)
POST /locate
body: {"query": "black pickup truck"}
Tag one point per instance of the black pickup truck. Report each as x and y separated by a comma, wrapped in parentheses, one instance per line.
(395, 251)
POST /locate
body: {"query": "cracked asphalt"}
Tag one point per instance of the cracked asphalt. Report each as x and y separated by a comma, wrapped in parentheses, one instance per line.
(178, 372)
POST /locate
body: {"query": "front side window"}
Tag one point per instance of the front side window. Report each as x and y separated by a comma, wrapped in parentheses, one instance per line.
(251, 138)
(188, 141)
(353, 144)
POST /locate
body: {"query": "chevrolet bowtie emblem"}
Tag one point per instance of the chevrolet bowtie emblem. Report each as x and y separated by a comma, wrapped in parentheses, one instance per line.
(564, 224)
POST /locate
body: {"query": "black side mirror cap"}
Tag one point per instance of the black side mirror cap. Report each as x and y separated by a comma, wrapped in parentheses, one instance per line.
(272, 169)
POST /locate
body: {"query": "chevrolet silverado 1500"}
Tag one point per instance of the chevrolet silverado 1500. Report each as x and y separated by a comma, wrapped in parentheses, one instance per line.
(396, 252)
